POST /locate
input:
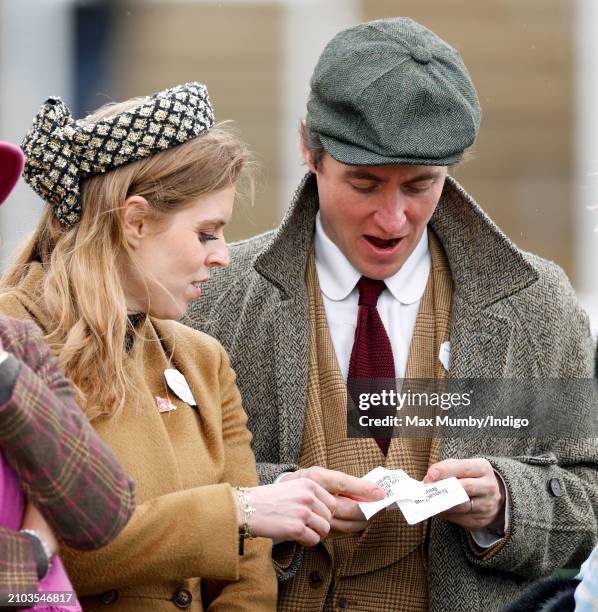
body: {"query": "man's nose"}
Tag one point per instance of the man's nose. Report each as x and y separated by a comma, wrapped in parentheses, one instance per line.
(390, 215)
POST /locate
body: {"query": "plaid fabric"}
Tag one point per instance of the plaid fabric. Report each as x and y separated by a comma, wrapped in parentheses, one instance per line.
(17, 565)
(63, 466)
(382, 568)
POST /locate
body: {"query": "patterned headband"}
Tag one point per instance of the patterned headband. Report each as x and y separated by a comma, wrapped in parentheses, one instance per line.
(60, 152)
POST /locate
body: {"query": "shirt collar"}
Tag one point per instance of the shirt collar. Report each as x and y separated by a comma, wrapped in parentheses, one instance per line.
(336, 274)
(338, 277)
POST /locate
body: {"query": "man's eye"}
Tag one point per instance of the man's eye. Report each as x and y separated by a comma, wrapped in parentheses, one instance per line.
(206, 237)
(412, 189)
(364, 188)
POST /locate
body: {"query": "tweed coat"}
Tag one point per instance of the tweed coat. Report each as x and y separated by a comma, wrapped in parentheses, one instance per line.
(62, 465)
(183, 537)
(515, 315)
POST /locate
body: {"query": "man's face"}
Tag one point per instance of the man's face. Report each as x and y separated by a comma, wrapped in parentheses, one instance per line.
(376, 214)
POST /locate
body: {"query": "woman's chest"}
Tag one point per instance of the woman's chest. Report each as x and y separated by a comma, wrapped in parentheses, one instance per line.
(164, 441)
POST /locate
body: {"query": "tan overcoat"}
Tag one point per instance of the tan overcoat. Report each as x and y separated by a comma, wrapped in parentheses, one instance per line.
(183, 536)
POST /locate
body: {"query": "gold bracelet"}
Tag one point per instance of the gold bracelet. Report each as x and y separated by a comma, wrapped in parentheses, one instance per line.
(247, 510)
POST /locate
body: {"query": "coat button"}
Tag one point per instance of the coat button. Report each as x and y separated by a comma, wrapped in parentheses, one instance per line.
(554, 484)
(182, 598)
(315, 579)
(108, 597)
(343, 603)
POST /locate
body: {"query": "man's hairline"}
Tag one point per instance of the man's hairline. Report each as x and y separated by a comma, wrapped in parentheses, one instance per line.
(360, 172)
(322, 151)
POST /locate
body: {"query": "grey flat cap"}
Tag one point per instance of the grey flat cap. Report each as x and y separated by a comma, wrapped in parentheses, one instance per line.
(392, 92)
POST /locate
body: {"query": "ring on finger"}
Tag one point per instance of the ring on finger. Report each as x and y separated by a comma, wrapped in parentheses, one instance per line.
(470, 506)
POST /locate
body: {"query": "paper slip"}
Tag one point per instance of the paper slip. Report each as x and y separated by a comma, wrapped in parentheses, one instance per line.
(395, 483)
(417, 501)
(439, 496)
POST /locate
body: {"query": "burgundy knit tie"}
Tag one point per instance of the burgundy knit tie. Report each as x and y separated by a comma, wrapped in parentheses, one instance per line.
(371, 357)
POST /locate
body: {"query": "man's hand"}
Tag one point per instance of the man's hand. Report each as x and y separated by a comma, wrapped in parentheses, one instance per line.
(487, 496)
(347, 517)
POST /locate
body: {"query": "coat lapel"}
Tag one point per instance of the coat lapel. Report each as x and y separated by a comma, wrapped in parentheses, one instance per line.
(485, 265)
(282, 263)
(480, 341)
(290, 342)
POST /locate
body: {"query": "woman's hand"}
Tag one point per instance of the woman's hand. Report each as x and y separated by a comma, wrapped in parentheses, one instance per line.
(33, 519)
(299, 510)
(348, 490)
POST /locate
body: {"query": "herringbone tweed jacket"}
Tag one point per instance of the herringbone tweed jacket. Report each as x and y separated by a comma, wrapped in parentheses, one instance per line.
(514, 316)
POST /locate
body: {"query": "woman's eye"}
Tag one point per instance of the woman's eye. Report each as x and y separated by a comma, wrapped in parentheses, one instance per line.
(206, 237)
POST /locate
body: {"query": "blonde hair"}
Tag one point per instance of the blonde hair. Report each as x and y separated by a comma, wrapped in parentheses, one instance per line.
(82, 290)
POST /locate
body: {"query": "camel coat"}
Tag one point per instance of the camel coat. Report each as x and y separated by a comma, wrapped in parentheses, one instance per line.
(183, 537)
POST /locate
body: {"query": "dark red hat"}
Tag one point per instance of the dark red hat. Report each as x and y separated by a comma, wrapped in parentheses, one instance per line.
(11, 167)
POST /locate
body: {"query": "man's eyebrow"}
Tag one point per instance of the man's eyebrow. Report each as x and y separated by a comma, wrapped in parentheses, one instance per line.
(363, 174)
(360, 173)
(425, 176)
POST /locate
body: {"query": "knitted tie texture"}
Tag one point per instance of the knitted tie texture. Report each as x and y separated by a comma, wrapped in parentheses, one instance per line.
(371, 357)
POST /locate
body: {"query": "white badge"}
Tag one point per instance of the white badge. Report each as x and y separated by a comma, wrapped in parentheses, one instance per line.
(177, 382)
(445, 355)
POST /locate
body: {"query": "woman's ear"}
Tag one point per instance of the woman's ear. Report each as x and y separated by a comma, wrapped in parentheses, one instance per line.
(136, 216)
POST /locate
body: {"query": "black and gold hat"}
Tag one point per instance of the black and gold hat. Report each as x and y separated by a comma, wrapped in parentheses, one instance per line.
(61, 151)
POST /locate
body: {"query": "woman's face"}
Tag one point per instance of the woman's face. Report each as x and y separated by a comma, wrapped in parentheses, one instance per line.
(171, 258)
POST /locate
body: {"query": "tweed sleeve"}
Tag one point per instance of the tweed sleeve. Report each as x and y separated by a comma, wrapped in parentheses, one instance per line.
(256, 588)
(559, 528)
(71, 476)
(269, 472)
(553, 488)
(18, 572)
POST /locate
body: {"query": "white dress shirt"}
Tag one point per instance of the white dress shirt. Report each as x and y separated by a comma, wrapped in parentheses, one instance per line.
(398, 304)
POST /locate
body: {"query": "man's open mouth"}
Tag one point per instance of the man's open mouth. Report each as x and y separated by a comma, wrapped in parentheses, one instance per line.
(382, 243)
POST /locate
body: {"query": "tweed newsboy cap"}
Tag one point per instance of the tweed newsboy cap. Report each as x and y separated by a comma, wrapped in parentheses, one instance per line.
(392, 92)
(60, 152)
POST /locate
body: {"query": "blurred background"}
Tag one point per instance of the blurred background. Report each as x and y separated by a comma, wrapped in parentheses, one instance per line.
(534, 63)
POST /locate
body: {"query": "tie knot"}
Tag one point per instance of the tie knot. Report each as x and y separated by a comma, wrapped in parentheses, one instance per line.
(369, 291)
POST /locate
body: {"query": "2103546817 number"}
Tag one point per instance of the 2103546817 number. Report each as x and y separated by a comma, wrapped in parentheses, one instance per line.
(50, 597)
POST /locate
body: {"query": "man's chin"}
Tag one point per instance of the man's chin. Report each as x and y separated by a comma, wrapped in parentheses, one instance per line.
(379, 271)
